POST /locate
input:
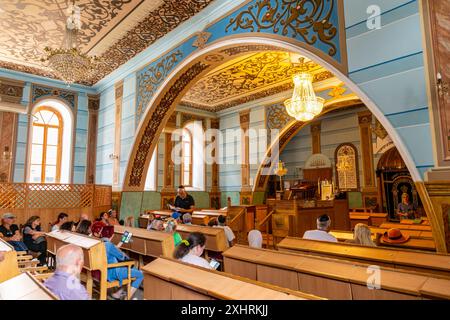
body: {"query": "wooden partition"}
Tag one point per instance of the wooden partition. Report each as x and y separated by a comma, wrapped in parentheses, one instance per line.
(48, 200)
(215, 237)
(146, 243)
(438, 264)
(9, 267)
(24, 287)
(331, 278)
(166, 279)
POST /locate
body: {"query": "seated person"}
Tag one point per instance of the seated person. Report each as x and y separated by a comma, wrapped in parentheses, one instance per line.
(62, 217)
(83, 217)
(84, 227)
(112, 218)
(156, 225)
(171, 227)
(187, 218)
(114, 255)
(34, 238)
(68, 226)
(321, 234)
(362, 236)
(213, 222)
(10, 232)
(221, 223)
(191, 250)
(255, 239)
(103, 218)
(184, 203)
(65, 282)
(405, 210)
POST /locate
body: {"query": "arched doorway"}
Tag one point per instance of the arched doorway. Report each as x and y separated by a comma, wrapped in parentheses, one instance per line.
(192, 68)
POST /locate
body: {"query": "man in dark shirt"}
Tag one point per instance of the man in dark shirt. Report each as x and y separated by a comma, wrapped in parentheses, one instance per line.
(10, 232)
(184, 203)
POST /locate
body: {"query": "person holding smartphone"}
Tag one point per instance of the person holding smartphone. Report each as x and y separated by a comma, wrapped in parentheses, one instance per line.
(184, 203)
(115, 255)
(191, 249)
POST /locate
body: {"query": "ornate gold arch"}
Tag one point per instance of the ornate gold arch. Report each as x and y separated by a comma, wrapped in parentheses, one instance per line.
(287, 134)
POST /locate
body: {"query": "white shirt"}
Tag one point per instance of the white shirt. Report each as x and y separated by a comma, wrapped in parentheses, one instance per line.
(196, 260)
(228, 232)
(255, 239)
(319, 235)
(55, 227)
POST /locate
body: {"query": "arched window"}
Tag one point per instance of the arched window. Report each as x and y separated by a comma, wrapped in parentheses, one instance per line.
(46, 149)
(347, 173)
(186, 156)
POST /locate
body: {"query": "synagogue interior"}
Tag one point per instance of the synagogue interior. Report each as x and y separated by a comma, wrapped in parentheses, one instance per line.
(224, 150)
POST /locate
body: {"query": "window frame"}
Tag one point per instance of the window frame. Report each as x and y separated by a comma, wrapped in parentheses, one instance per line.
(45, 127)
(191, 144)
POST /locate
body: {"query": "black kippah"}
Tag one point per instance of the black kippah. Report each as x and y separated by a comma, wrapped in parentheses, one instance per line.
(324, 218)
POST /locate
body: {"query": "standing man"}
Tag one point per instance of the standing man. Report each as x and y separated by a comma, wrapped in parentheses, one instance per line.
(184, 203)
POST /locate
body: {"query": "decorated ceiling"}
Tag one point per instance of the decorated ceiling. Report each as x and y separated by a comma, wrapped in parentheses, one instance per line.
(247, 78)
(115, 31)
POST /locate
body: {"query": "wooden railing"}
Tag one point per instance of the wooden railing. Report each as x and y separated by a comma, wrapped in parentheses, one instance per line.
(37, 195)
(236, 221)
(47, 200)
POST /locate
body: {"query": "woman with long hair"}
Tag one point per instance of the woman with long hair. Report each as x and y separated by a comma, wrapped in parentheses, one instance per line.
(34, 238)
(84, 227)
(362, 236)
(191, 250)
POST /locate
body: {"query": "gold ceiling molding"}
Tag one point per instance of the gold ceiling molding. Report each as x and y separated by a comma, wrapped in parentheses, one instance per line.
(28, 26)
(247, 78)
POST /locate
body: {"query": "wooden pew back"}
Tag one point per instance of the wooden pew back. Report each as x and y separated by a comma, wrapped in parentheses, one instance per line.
(390, 257)
(215, 237)
(9, 267)
(145, 242)
(174, 280)
(330, 278)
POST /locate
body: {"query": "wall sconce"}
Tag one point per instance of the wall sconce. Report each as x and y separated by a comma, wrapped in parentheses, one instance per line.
(113, 156)
(442, 86)
(7, 154)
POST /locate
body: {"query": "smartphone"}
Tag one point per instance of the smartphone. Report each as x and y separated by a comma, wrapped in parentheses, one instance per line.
(126, 237)
(214, 263)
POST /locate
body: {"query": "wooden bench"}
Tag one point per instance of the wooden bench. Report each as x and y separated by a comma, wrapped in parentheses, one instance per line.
(401, 226)
(330, 278)
(438, 264)
(145, 242)
(376, 218)
(94, 259)
(199, 217)
(9, 266)
(216, 239)
(415, 243)
(167, 279)
(24, 287)
(359, 218)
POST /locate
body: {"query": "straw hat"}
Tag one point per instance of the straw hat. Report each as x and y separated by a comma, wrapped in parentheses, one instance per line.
(394, 236)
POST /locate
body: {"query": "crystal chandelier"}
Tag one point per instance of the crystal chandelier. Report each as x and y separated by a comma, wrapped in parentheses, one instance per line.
(69, 63)
(304, 105)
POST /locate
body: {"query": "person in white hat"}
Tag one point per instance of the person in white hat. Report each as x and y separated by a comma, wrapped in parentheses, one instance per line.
(10, 232)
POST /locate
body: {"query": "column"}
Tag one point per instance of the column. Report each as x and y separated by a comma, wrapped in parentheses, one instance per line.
(214, 194)
(246, 191)
(118, 124)
(93, 107)
(315, 136)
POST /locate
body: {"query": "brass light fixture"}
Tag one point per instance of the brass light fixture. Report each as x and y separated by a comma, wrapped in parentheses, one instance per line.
(304, 105)
(69, 63)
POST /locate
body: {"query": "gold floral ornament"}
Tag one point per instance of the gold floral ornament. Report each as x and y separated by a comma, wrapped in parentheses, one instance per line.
(299, 18)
